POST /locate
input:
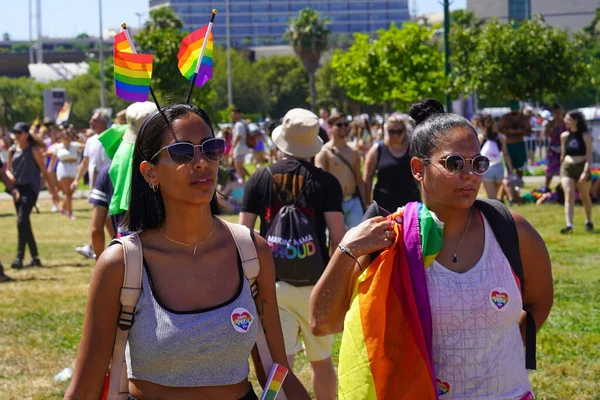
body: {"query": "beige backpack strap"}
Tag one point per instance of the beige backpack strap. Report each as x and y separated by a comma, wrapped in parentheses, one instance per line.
(247, 251)
(130, 295)
(251, 266)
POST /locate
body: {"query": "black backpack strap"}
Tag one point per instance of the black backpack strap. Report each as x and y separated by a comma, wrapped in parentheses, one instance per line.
(505, 230)
(379, 150)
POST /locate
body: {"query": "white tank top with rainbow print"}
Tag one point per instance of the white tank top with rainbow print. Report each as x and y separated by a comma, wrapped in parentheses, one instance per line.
(477, 347)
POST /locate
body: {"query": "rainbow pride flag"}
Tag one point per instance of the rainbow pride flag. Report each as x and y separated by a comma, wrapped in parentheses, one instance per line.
(276, 378)
(189, 54)
(133, 72)
(386, 350)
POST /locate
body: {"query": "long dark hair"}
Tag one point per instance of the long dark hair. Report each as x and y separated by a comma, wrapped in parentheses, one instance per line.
(489, 127)
(146, 207)
(433, 123)
(581, 124)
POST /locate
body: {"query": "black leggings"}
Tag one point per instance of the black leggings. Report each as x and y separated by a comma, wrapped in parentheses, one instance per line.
(24, 207)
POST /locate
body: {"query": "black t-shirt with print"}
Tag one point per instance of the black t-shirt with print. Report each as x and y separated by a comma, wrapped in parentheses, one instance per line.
(324, 194)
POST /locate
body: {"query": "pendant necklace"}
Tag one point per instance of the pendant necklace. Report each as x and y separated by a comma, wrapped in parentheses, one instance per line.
(187, 244)
(454, 256)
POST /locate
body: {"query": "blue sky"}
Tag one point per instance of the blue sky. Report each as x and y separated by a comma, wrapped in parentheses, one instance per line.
(67, 18)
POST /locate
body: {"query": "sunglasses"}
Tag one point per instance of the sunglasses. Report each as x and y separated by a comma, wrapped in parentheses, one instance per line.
(455, 163)
(342, 124)
(183, 153)
(396, 132)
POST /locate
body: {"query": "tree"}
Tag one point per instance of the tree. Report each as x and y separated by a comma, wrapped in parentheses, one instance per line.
(501, 62)
(466, 19)
(249, 93)
(6, 37)
(285, 83)
(82, 36)
(162, 37)
(398, 68)
(20, 100)
(309, 36)
(330, 92)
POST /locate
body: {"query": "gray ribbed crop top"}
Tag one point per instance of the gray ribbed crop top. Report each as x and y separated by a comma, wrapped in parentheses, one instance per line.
(193, 348)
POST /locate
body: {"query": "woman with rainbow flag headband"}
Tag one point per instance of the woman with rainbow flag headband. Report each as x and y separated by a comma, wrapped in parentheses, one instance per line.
(196, 322)
(433, 310)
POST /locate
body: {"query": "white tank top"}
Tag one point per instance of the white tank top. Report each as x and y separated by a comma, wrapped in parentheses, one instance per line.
(491, 150)
(477, 347)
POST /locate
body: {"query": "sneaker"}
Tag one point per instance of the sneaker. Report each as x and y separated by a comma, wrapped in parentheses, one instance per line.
(589, 227)
(54, 208)
(566, 229)
(17, 264)
(4, 278)
(86, 251)
(35, 262)
(72, 217)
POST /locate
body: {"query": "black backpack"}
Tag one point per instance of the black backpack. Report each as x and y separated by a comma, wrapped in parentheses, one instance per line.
(504, 228)
(294, 243)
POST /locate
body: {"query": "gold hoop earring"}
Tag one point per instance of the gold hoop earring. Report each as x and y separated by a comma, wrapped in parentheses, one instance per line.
(153, 186)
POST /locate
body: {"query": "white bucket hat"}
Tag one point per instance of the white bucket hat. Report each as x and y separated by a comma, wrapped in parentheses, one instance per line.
(298, 135)
(136, 115)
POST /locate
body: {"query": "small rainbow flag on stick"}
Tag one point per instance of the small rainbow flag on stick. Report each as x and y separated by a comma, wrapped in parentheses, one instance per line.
(133, 72)
(276, 378)
(196, 56)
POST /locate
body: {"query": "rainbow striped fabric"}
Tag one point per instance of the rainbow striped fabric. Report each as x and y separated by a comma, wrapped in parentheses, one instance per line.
(189, 53)
(276, 378)
(133, 72)
(386, 346)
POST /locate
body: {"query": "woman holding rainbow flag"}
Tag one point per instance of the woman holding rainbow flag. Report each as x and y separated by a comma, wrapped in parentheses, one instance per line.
(438, 312)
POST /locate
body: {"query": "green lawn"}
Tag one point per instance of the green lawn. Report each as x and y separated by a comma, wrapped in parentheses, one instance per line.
(42, 312)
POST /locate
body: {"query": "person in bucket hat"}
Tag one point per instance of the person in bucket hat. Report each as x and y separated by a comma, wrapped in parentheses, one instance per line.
(318, 194)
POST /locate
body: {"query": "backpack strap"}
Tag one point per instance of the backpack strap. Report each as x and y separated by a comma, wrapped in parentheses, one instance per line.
(504, 228)
(130, 295)
(379, 150)
(251, 266)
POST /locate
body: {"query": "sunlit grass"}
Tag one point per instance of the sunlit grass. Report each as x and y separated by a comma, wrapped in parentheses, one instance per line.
(41, 313)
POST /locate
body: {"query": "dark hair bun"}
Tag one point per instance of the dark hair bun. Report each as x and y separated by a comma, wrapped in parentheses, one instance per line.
(422, 110)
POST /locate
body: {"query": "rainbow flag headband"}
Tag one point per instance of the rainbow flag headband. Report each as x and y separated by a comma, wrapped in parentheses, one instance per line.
(133, 71)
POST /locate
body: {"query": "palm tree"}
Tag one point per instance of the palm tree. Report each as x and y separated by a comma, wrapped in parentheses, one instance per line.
(309, 36)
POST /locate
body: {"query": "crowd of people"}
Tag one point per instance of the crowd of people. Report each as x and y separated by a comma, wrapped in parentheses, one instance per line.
(329, 193)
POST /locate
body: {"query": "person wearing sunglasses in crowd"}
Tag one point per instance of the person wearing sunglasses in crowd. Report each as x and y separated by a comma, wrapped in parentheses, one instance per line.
(477, 346)
(25, 167)
(343, 162)
(390, 162)
(183, 344)
(575, 169)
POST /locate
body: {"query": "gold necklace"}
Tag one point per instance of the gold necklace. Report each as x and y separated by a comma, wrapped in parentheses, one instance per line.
(190, 245)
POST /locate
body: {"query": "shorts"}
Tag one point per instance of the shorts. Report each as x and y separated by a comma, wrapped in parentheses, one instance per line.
(239, 157)
(293, 308)
(353, 212)
(66, 170)
(518, 154)
(494, 174)
(573, 170)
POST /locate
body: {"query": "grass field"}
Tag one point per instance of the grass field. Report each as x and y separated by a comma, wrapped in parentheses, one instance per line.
(41, 313)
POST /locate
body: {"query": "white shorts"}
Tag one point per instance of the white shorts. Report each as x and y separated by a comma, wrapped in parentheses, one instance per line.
(66, 170)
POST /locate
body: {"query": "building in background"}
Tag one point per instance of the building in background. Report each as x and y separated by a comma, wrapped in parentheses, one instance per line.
(263, 22)
(571, 15)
